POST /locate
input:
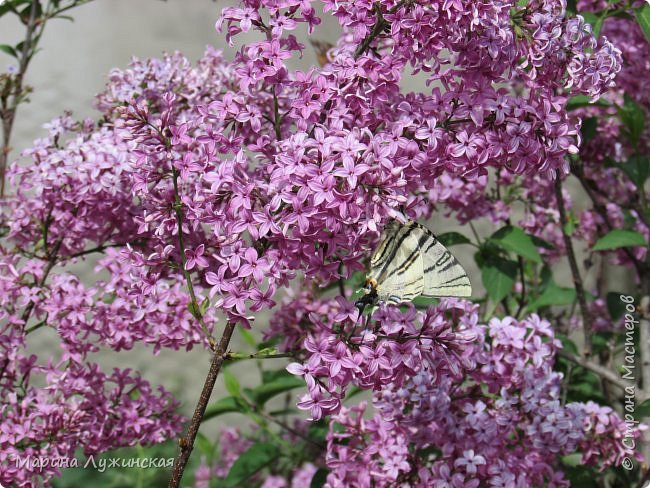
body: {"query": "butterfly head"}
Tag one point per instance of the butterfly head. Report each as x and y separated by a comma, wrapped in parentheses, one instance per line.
(370, 297)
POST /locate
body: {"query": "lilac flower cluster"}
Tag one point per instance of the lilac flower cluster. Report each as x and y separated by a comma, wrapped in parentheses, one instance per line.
(482, 402)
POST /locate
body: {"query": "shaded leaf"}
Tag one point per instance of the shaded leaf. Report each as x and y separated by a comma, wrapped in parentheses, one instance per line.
(642, 410)
(232, 383)
(553, 295)
(452, 238)
(266, 391)
(320, 476)
(580, 101)
(254, 459)
(642, 15)
(618, 238)
(589, 128)
(633, 119)
(516, 240)
(615, 306)
(498, 276)
(6, 48)
(225, 405)
(637, 168)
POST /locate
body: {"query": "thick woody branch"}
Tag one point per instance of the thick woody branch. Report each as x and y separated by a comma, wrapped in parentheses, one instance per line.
(187, 442)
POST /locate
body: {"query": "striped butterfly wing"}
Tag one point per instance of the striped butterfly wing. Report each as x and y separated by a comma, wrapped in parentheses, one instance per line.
(409, 262)
(443, 274)
(397, 265)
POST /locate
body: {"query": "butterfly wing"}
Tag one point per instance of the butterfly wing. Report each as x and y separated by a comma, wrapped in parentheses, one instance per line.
(397, 266)
(443, 274)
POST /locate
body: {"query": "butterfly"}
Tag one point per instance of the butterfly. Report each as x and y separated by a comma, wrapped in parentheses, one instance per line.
(410, 262)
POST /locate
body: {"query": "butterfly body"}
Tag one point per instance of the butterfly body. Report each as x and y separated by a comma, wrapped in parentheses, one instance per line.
(410, 262)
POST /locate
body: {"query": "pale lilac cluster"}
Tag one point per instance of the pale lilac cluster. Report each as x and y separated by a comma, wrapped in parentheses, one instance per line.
(81, 410)
(497, 419)
(335, 361)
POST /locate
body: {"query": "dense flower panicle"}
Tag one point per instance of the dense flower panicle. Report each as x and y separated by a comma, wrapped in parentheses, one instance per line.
(495, 419)
(81, 408)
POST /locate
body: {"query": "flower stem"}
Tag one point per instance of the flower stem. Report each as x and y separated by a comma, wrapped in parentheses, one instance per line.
(238, 356)
(195, 309)
(187, 443)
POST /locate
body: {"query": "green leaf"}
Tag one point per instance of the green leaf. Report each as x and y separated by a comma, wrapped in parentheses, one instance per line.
(572, 460)
(320, 476)
(266, 391)
(425, 302)
(452, 238)
(553, 295)
(615, 306)
(618, 238)
(232, 383)
(633, 119)
(567, 344)
(270, 375)
(317, 431)
(580, 101)
(248, 337)
(204, 305)
(204, 445)
(642, 15)
(9, 4)
(498, 276)
(6, 48)
(539, 242)
(589, 128)
(637, 168)
(642, 410)
(516, 240)
(194, 309)
(580, 476)
(570, 227)
(571, 6)
(225, 405)
(256, 458)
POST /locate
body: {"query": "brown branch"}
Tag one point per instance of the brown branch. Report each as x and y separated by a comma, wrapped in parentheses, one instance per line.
(8, 114)
(605, 373)
(575, 272)
(187, 443)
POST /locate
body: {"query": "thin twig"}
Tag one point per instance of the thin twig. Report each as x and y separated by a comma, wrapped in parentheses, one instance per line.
(575, 272)
(522, 298)
(288, 428)
(239, 356)
(195, 309)
(187, 443)
(605, 373)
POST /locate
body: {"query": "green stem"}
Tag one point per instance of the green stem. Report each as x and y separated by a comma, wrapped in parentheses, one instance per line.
(195, 309)
(238, 356)
(277, 120)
